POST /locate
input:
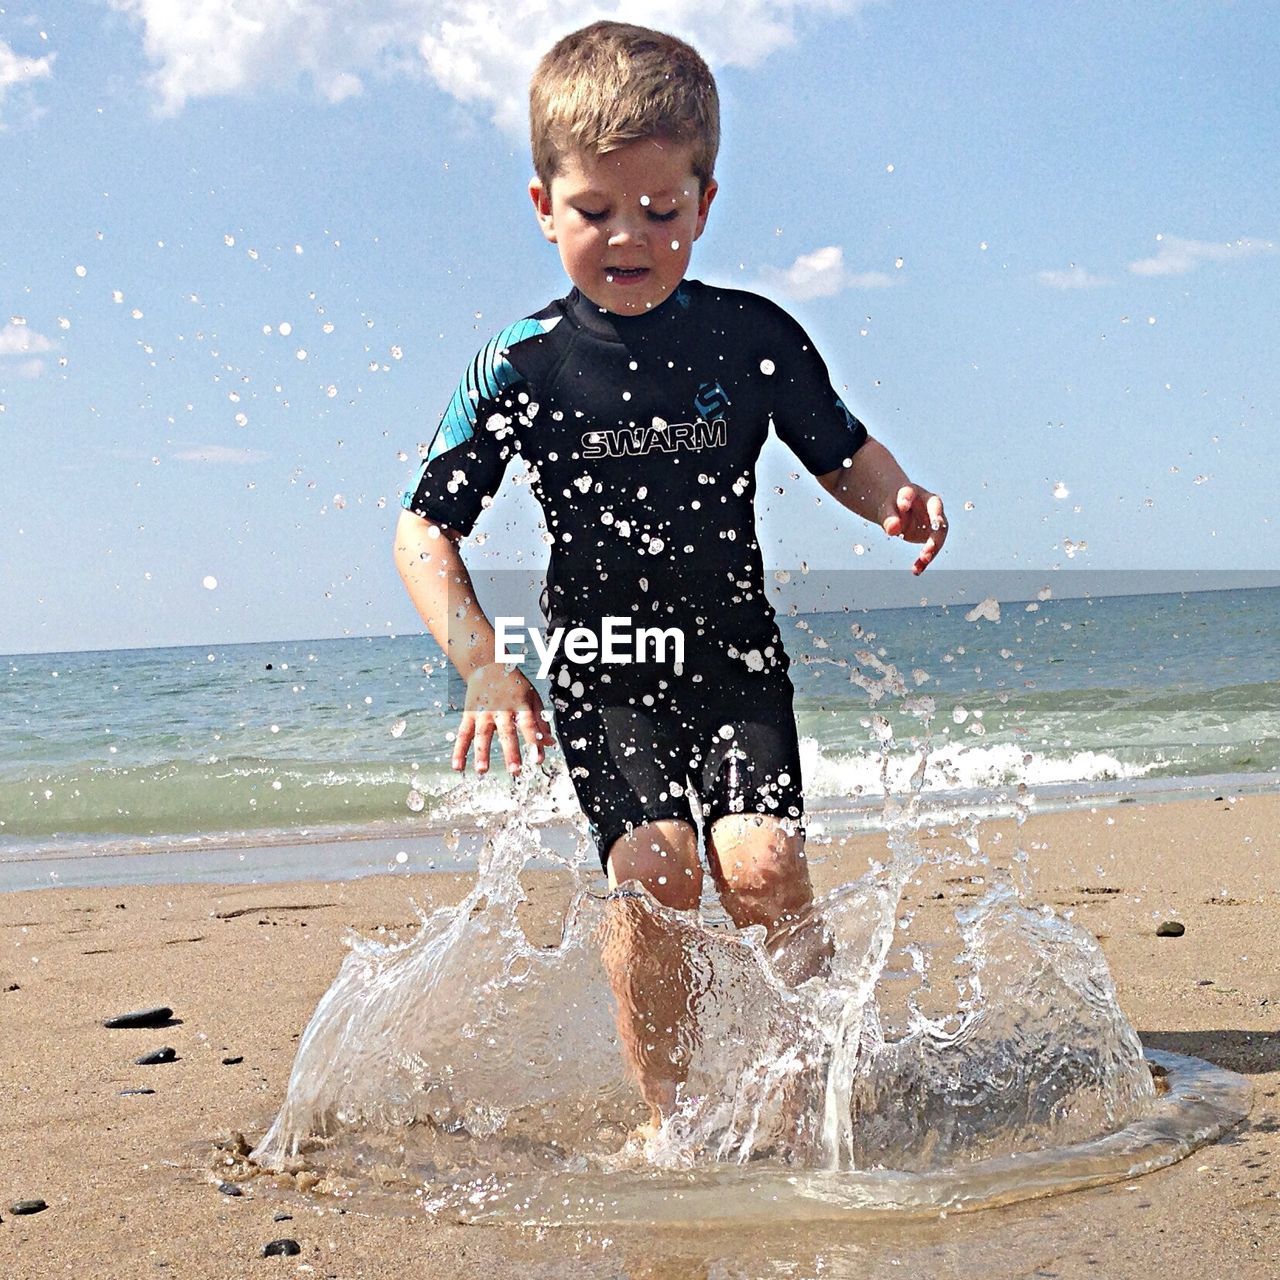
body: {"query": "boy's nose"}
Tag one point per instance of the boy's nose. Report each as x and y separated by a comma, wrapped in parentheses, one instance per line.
(626, 231)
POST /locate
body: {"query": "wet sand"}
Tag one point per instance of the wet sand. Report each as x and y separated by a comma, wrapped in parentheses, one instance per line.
(130, 1179)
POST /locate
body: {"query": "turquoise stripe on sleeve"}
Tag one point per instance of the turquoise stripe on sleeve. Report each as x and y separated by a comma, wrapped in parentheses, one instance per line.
(489, 374)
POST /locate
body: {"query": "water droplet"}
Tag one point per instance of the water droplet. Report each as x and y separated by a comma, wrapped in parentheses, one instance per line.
(209, 582)
(767, 367)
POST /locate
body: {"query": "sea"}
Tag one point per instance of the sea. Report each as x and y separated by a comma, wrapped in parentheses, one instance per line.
(304, 758)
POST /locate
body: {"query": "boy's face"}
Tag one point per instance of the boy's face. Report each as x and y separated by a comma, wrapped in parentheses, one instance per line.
(625, 222)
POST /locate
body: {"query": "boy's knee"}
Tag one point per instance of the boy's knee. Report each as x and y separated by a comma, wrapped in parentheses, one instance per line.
(662, 856)
(760, 868)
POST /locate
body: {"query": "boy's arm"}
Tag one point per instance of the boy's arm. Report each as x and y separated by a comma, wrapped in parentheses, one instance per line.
(875, 487)
(499, 699)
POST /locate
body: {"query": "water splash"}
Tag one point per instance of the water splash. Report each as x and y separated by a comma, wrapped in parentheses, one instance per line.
(484, 1071)
(468, 1054)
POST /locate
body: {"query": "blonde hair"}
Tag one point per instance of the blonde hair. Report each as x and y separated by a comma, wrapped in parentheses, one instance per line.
(613, 83)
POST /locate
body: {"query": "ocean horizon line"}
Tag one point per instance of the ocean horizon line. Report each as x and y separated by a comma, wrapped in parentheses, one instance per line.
(1234, 580)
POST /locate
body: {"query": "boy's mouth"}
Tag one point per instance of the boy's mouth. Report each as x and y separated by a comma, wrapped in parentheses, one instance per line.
(625, 275)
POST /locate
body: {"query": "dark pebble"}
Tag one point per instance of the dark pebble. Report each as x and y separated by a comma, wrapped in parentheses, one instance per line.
(281, 1249)
(283, 1217)
(230, 1189)
(157, 1056)
(1171, 929)
(160, 1016)
(27, 1206)
(13, 986)
(134, 1093)
(233, 1062)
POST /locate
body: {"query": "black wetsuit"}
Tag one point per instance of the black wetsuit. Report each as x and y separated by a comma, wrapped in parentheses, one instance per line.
(641, 436)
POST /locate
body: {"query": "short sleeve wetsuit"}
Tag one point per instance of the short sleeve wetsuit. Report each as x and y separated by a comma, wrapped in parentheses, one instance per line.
(641, 435)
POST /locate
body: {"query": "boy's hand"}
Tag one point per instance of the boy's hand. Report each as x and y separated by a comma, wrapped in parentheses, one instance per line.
(917, 516)
(500, 699)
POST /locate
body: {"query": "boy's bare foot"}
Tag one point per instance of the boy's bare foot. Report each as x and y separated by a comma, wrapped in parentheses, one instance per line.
(633, 1154)
(646, 1132)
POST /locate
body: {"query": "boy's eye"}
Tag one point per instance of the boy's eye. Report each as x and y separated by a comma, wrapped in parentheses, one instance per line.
(662, 217)
(592, 215)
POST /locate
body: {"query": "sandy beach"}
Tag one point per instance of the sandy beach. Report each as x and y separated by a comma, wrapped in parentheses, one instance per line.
(130, 1178)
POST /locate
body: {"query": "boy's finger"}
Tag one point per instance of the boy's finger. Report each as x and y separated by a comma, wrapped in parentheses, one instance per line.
(462, 743)
(897, 524)
(931, 548)
(510, 743)
(532, 732)
(937, 516)
(484, 738)
(925, 558)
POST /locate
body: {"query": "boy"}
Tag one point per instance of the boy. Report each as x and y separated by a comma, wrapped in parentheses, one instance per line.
(640, 403)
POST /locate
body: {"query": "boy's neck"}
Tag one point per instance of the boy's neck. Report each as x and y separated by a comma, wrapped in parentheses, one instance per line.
(590, 315)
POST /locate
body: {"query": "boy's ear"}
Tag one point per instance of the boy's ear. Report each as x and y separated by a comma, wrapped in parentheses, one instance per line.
(704, 206)
(541, 197)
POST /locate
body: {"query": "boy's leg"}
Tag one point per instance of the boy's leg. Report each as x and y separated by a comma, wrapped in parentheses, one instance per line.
(763, 878)
(622, 755)
(753, 802)
(645, 960)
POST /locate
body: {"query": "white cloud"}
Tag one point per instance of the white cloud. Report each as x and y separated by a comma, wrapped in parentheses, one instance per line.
(821, 274)
(1072, 277)
(219, 454)
(478, 55)
(16, 70)
(1175, 256)
(18, 340)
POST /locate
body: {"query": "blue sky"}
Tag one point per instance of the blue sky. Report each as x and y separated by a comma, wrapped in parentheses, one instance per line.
(248, 246)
